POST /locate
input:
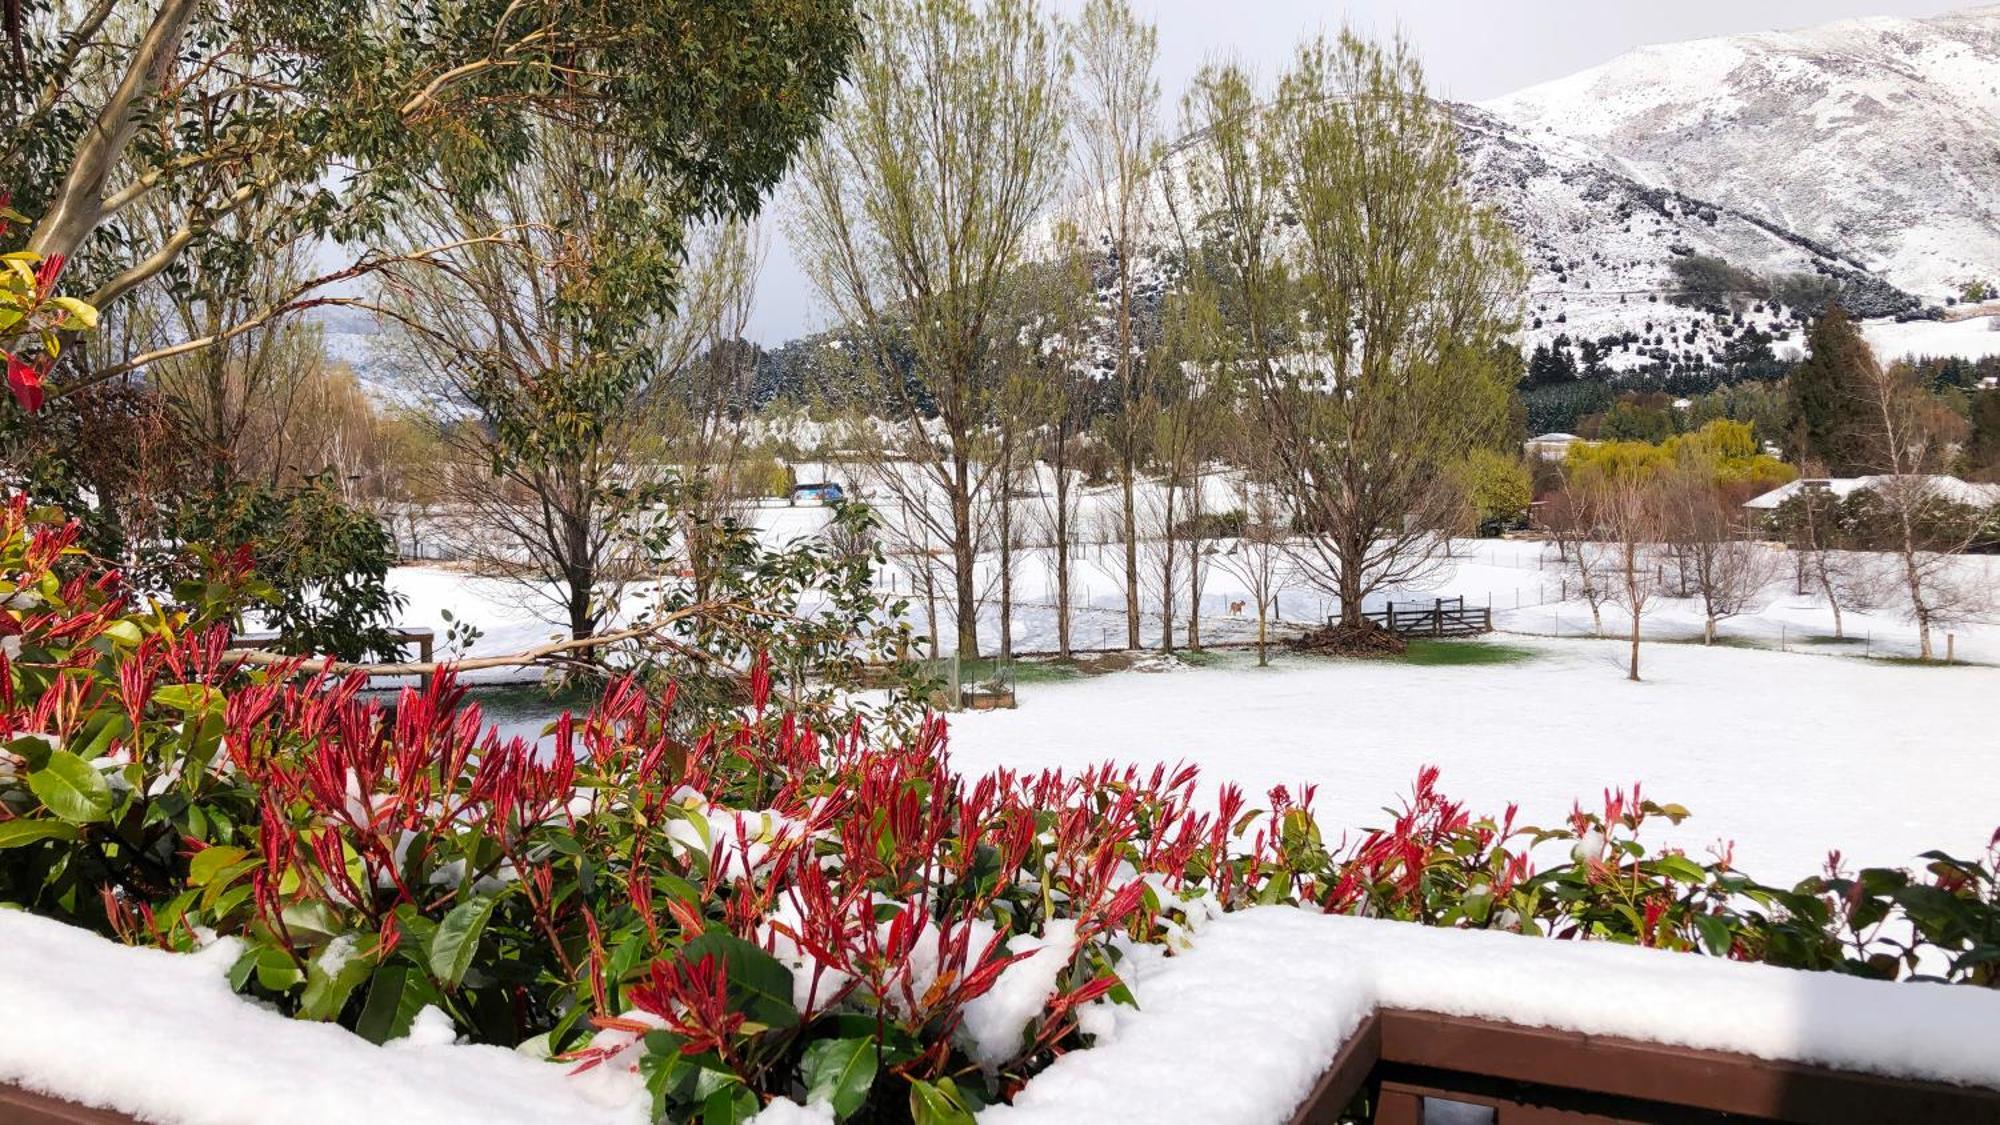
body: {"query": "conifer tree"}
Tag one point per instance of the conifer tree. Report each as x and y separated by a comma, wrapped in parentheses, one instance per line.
(1825, 394)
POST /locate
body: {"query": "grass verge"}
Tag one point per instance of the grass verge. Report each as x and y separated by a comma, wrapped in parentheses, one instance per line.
(1428, 652)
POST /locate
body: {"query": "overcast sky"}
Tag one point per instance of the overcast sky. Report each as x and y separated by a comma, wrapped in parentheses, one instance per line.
(1472, 50)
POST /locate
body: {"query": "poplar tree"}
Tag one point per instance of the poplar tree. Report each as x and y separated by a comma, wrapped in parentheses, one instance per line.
(916, 208)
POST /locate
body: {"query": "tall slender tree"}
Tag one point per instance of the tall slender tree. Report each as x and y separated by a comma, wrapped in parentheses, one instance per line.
(916, 207)
(1118, 150)
(1827, 395)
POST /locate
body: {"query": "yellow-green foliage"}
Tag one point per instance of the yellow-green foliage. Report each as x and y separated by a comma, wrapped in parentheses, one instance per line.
(1727, 448)
(1496, 485)
(761, 475)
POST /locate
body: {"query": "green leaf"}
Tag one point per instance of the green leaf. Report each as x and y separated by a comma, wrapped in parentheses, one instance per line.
(72, 788)
(80, 312)
(730, 1106)
(938, 1104)
(15, 833)
(276, 970)
(332, 977)
(396, 993)
(1715, 934)
(840, 1072)
(187, 697)
(759, 985)
(457, 938)
(208, 861)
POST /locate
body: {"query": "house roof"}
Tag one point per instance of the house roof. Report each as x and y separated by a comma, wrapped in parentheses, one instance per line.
(1949, 488)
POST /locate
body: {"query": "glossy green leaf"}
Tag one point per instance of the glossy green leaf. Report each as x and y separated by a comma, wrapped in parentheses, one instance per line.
(71, 788)
(840, 1072)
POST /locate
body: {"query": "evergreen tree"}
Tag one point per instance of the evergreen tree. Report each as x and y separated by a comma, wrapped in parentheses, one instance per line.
(1982, 447)
(1824, 394)
(1550, 366)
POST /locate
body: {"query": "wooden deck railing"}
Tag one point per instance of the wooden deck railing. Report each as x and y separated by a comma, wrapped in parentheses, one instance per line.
(1526, 1075)
(1539, 1076)
(1444, 617)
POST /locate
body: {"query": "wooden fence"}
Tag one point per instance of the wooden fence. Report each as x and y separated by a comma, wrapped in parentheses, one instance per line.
(1444, 617)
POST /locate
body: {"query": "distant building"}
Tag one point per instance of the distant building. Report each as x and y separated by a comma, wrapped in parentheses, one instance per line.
(1948, 488)
(825, 492)
(1552, 447)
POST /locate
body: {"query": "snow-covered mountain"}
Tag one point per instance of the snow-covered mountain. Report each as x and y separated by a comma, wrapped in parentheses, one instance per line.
(1602, 244)
(1876, 139)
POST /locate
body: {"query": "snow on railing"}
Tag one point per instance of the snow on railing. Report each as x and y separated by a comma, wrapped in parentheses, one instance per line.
(1242, 1027)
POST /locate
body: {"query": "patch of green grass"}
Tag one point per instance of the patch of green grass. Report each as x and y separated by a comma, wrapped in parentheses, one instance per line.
(1933, 662)
(1199, 659)
(1046, 671)
(1434, 652)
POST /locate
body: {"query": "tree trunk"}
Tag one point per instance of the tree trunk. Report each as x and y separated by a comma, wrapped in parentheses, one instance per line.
(1167, 578)
(1633, 673)
(1131, 530)
(1195, 514)
(1832, 600)
(78, 207)
(1350, 584)
(1062, 564)
(962, 557)
(1007, 546)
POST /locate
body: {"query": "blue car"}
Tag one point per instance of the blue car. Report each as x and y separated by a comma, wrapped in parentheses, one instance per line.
(826, 492)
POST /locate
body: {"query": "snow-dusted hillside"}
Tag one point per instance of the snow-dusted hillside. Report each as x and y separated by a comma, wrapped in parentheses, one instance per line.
(1602, 243)
(1861, 155)
(1877, 138)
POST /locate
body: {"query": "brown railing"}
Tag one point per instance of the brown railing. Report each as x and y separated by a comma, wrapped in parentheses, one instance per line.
(1444, 617)
(1536, 1076)
(25, 1107)
(1527, 1075)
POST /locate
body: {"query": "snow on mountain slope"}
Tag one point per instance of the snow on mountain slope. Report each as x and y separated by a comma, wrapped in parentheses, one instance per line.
(1879, 138)
(1601, 245)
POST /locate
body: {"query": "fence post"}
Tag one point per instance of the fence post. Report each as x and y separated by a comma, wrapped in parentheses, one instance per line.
(1950, 643)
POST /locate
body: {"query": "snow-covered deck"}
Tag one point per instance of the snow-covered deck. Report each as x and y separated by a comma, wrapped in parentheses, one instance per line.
(1240, 1028)
(1237, 1029)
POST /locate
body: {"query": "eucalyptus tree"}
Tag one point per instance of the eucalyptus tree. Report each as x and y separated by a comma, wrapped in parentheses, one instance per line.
(916, 206)
(1370, 292)
(333, 117)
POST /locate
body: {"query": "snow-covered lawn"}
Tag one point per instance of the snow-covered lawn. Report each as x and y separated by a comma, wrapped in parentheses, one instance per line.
(1518, 579)
(1788, 755)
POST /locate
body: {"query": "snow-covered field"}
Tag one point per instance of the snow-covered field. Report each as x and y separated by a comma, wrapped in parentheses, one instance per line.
(1788, 756)
(1519, 579)
(1787, 753)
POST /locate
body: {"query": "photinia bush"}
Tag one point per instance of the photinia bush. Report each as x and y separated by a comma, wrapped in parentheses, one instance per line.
(740, 903)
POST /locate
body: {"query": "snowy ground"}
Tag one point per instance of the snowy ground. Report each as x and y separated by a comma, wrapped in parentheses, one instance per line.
(1517, 578)
(1787, 755)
